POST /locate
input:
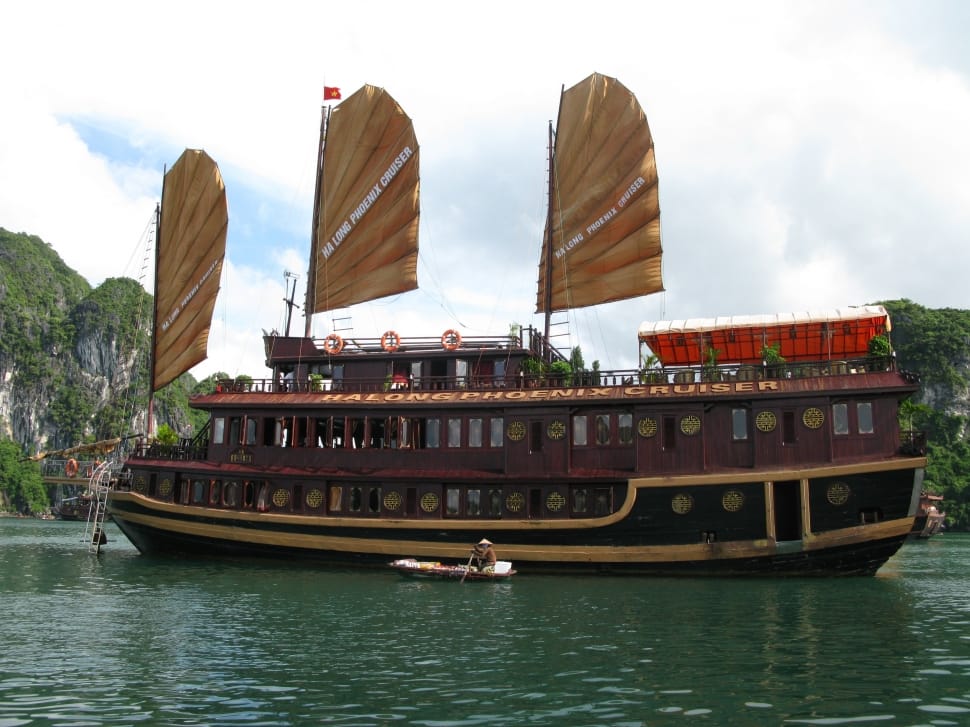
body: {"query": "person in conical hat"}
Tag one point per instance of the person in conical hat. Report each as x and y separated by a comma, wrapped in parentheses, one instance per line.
(484, 554)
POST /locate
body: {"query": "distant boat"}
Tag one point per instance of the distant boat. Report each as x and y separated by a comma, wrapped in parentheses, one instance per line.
(930, 518)
(747, 445)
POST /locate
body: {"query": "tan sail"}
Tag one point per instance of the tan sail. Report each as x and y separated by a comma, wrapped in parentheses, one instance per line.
(191, 250)
(366, 242)
(604, 240)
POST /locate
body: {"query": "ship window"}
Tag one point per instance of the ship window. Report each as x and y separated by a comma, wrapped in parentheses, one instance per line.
(840, 418)
(475, 432)
(215, 491)
(535, 436)
(496, 431)
(250, 431)
(249, 495)
(452, 501)
(625, 428)
(356, 429)
(500, 373)
(218, 430)
(377, 433)
(374, 500)
(601, 501)
(602, 428)
(432, 433)
(454, 432)
(580, 496)
(297, 503)
(579, 430)
(336, 498)
(495, 502)
(669, 433)
(300, 430)
(199, 491)
(863, 411)
(474, 502)
(337, 439)
(788, 427)
(321, 433)
(230, 494)
(355, 499)
(235, 430)
(739, 424)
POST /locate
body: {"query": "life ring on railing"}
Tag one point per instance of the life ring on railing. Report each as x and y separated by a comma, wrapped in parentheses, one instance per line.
(390, 341)
(450, 339)
(70, 469)
(333, 344)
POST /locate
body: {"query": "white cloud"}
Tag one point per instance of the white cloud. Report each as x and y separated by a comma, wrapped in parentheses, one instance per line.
(811, 155)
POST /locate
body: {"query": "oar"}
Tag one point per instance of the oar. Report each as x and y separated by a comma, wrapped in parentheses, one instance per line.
(467, 567)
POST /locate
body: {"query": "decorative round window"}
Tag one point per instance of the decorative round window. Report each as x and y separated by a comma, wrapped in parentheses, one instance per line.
(314, 498)
(516, 431)
(392, 500)
(281, 497)
(429, 502)
(682, 503)
(837, 493)
(555, 502)
(556, 430)
(813, 417)
(165, 487)
(732, 500)
(690, 425)
(647, 427)
(766, 421)
(515, 502)
(139, 484)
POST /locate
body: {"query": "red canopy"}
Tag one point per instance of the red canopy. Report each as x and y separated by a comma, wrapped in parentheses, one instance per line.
(842, 333)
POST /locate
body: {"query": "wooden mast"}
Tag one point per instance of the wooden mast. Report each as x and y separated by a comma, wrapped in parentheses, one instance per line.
(311, 282)
(150, 423)
(547, 293)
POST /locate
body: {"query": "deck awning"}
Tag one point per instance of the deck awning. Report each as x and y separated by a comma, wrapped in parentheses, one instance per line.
(841, 333)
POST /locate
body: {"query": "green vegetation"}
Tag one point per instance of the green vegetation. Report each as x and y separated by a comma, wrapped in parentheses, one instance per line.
(21, 487)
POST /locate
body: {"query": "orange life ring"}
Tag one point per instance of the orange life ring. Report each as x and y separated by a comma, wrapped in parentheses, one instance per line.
(450, 339)
(70, 469)
(390, 341)
(333, 344)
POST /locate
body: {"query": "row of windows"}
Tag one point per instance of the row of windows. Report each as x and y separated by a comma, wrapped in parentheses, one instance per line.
(487, 501)
(490, 432)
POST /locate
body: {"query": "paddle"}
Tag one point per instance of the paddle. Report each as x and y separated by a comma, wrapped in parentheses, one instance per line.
(467, 567)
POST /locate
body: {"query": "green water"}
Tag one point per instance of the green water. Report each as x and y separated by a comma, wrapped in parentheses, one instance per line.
(122, 639)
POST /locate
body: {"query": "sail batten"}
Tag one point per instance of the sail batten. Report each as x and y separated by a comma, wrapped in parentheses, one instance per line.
(191, 250)
(367, 229)
(603, 238)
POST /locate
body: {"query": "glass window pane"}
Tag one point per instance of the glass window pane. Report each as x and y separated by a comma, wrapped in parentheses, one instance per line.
(454, 432)
(432, 436)
(579, 430)
(474, 432)
(625, 428)
(602, 428)
(739, 424)
(864, 412)
(840, 418)
(218, 430)
(496, 431)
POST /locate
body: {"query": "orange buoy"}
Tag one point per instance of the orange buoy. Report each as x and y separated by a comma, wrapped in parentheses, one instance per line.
(390, 341)
(333, 344)
(450, 339)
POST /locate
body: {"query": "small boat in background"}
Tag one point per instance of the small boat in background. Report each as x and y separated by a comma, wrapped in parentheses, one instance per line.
(930, 518)
(433, 569)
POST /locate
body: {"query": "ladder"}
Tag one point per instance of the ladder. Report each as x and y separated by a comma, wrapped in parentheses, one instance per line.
(100, 487)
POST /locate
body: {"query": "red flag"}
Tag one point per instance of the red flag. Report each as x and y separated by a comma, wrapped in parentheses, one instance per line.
(331, 92)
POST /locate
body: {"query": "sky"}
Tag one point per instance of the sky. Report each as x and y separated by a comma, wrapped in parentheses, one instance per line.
(811, 155)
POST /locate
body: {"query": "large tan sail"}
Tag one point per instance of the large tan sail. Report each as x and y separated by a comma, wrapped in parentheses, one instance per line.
(366, 242)
(605, 217)
(191, 250)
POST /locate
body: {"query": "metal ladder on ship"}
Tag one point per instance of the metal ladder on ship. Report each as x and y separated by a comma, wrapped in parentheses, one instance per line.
(100, 487)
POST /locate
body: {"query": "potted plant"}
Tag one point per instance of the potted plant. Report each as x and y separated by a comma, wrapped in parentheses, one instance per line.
(879, 350)
(650, 372)
(316, 382)
(772, 360)
(559, 372)
(709, 369)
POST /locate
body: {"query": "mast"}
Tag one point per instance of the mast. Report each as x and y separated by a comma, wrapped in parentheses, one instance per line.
(150, 424)
(287, 276)
(547, 302)
(311, 282)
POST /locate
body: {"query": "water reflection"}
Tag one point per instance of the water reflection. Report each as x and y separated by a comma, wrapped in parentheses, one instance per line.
(122, 638)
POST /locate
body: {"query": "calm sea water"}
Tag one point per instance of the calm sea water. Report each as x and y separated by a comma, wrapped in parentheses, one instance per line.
(122, 639)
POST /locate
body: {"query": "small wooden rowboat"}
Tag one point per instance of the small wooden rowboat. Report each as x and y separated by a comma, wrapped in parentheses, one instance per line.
(412, 567)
